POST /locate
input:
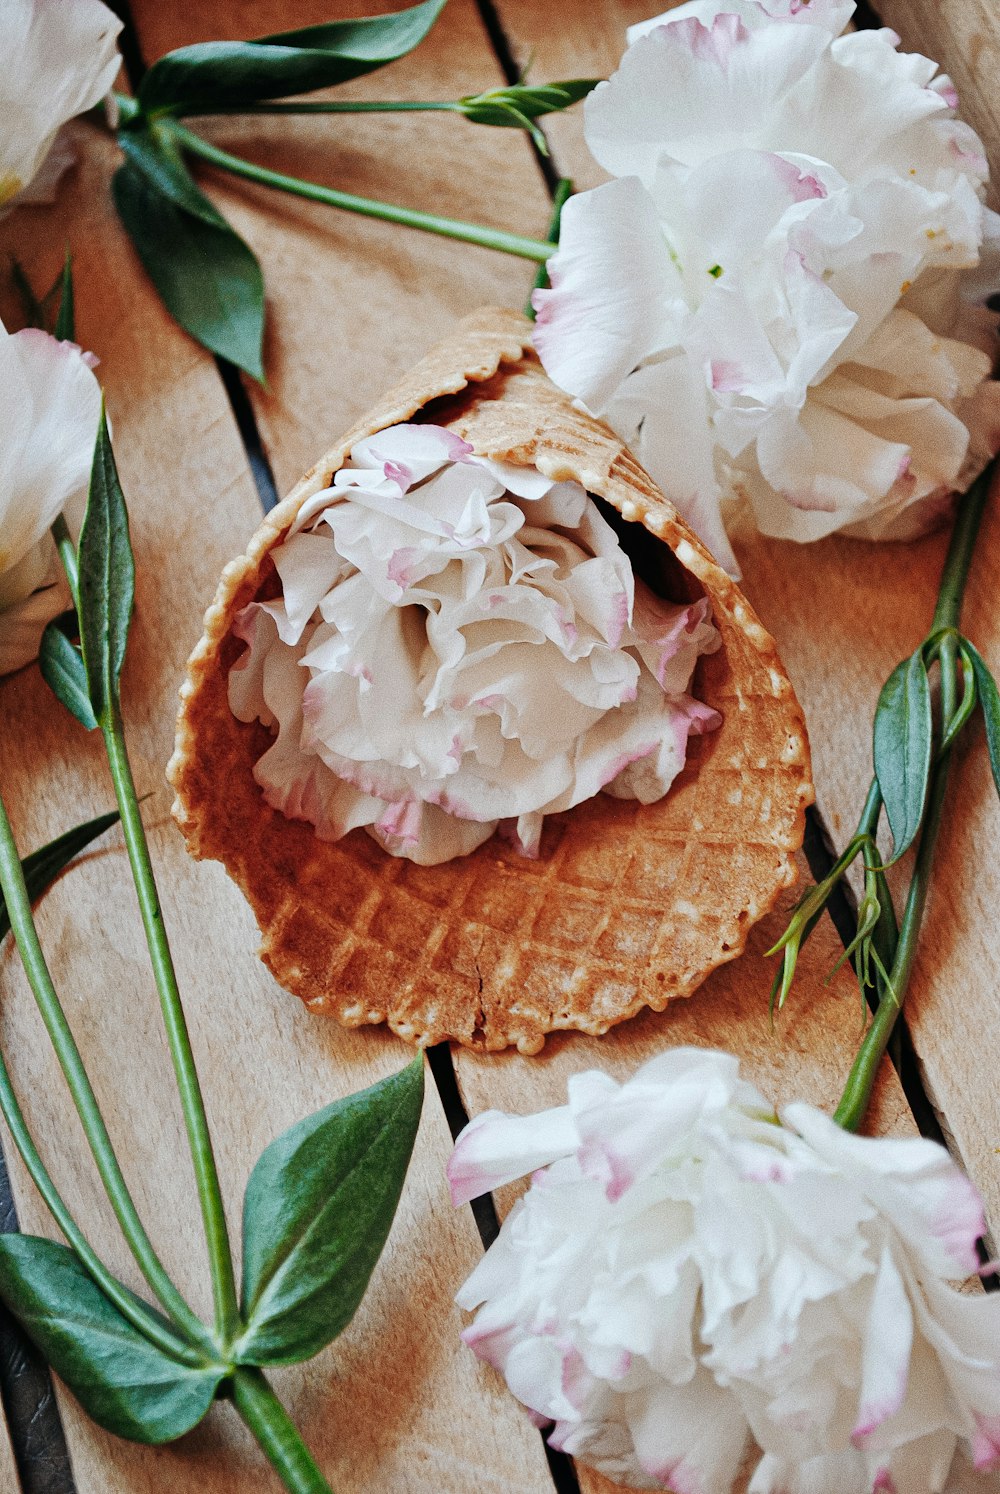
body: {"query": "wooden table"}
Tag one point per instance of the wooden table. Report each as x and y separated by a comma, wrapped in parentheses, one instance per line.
(397, 1404)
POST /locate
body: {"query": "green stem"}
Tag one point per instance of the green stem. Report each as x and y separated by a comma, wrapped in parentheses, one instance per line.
(227, 1319)
(947, 614)
(449, 228)
(331, 106)
(560, 197)
(277, 1434)
(26, 937)
(67, 554)
(137, 1313)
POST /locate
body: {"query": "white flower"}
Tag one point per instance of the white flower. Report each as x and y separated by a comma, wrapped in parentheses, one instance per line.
(48, 424)
(686, 1273)
(460, 645)
(59, 59)
(766, 302)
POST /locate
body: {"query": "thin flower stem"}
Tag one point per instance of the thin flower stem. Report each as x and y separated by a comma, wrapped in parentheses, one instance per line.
(137, 1313)
(331, 106)
(67, 555)
(227, 1318)
(449, 228)
(854, 1102)
(26, 937)
(277, 1434)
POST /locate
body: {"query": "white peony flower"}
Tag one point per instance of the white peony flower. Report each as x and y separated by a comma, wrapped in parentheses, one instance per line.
(460, 645)
(686, 1272)
(767, 302)
(59, 59)
(48, 424)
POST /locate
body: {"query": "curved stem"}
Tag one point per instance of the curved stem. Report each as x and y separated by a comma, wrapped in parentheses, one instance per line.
(449, 228)
(947, 615)
(26, 937)
(67, 555)
(227, 1320)
(138, 1314)
(277, 1434)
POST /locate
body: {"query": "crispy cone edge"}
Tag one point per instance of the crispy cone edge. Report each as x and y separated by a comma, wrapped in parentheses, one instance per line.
(628, 906)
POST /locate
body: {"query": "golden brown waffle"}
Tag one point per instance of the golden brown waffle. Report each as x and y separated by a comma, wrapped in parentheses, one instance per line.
(629, 905)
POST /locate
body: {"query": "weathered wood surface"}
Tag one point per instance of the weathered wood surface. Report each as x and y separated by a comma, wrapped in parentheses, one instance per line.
(844, 613)
(396, 1404)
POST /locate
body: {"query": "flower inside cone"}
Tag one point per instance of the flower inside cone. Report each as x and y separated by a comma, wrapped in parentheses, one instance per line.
(459, 647)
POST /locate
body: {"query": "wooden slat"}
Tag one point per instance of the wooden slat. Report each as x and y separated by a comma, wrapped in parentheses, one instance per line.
(391, 1405)
(844, 613)
(9, 1482)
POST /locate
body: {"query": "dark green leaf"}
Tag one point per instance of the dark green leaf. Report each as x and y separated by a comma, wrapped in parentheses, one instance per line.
(61, 663)
(43, 866)
(155, 153)
(208, 278)
(107, 579)
(65, 328)
(126, 1384)
(317, 1211)
(227, 75)
(989, 697)
(902, 748)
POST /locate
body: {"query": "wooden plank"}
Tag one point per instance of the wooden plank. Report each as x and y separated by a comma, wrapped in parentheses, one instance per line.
(391, 1405)
(9, 1481)
(844, 613)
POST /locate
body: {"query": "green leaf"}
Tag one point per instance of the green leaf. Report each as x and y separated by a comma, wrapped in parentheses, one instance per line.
(207, 277)
(43, 866)
(156, 154)
(317, 1211)
(107, 580)
(65, 327)
(126, 1384)
(226, 75)
(902, 742)
(63, 670)
(989, 696)
(511, 106)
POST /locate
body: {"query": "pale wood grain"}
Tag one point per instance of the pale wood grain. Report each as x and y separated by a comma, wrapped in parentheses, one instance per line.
(844, 613)
(9, 1481)
(391, 1405)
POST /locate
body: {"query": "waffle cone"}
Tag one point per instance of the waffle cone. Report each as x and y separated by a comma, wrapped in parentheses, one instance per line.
(628, 905)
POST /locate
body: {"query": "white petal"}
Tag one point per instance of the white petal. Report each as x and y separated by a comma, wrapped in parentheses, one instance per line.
(495, 1148)
(609, 278)
(58, 61)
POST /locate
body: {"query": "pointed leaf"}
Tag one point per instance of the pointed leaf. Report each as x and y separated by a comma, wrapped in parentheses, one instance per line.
(155, 153)
(63, 670)
(511, 106)
(43, 866)
(65, 327)
(107, 579)
(989, 696)
(226, 75)
(902, 748)
(207, 277)
(126, 1384)
(317, 1211)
